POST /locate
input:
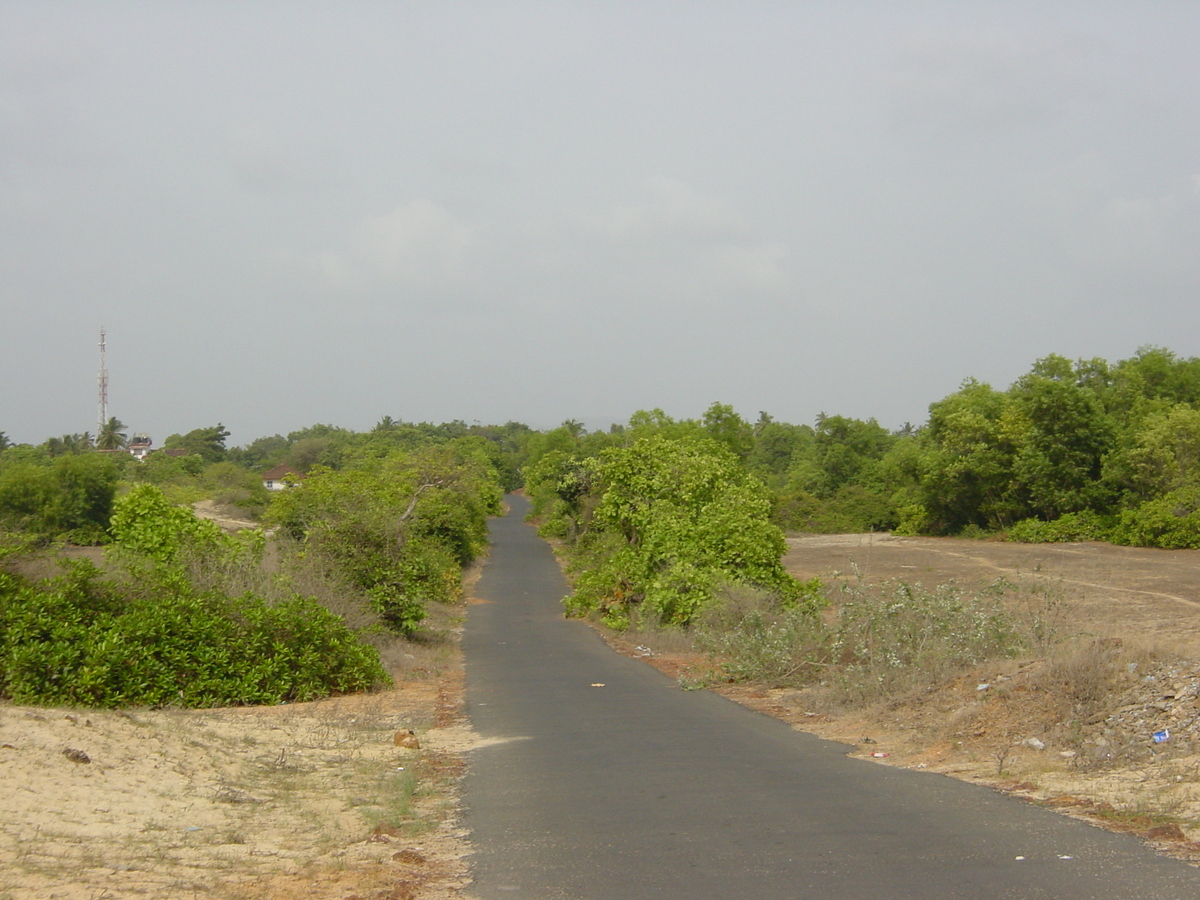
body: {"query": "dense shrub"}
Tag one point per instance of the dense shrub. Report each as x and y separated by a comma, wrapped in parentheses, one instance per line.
(399, 529)
(1171, 521)
(1080, 526)
(75, 639)
(851, 510)
(68, 497)
(658, 526)
(145, 522)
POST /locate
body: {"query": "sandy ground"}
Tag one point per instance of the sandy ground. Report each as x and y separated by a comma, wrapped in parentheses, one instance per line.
(307, 800)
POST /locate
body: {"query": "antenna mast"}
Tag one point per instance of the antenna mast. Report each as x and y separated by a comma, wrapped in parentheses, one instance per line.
(103, 380)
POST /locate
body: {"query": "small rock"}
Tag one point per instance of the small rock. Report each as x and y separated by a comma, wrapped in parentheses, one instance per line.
(407, 739)
(76, 755)
(1034, 743)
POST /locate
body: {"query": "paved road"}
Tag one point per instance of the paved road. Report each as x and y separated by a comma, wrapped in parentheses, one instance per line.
(604, 781)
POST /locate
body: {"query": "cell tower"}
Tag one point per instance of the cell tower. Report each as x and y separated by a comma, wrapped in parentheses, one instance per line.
(103, 380)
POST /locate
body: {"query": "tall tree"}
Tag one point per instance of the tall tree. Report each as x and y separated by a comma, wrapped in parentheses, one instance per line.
(208, 443)
(725, 426)
(112, 436)
(1058, 463)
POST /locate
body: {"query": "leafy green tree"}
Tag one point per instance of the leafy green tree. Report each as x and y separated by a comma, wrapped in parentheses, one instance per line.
(723, 424)
(207, 443)
(68, 444)
(64, 497)
(1163, 456)
(1058, 463)
(778, 447)
(967, 470)
(847, 451)
(649, 423)
(673, 520)
(1156, 377)
(260, 454)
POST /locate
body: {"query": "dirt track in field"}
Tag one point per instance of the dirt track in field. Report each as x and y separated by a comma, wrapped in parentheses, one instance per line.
(1111, 591)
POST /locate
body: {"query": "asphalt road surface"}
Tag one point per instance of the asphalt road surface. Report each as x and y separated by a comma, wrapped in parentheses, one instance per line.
(600, 779)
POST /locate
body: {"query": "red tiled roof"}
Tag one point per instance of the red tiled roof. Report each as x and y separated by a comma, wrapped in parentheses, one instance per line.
(280, 472)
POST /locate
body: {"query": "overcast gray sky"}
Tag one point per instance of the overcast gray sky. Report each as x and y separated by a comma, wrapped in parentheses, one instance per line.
(287, 213)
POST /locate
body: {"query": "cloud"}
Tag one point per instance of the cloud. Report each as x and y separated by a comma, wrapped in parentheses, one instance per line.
(669, 209)
(418, 244)
(758, 265)
(258, 161)
(981, 82)
(676, 242)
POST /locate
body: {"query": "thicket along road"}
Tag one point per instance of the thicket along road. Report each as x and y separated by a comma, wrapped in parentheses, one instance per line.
(600, 779)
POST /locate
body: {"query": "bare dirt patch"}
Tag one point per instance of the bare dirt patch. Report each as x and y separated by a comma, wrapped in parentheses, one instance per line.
(229, 518)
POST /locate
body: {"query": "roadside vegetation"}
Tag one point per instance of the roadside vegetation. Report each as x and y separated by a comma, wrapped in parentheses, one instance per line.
(662, 521)
(176, 612)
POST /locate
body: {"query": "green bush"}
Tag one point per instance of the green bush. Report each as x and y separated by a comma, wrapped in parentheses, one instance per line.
(69, 497)
(1073, 527)
(659, 525)
(75, 639)
(852, 509)
(1171, 521)
(146, 522)
(400, 528)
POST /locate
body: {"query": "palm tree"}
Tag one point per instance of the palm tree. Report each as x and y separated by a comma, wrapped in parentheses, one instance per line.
(68, 444)
(112, 436)
(387, 423)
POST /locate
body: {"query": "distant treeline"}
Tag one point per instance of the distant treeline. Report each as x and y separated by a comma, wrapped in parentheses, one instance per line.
(1085, 450)
(1072, 450)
